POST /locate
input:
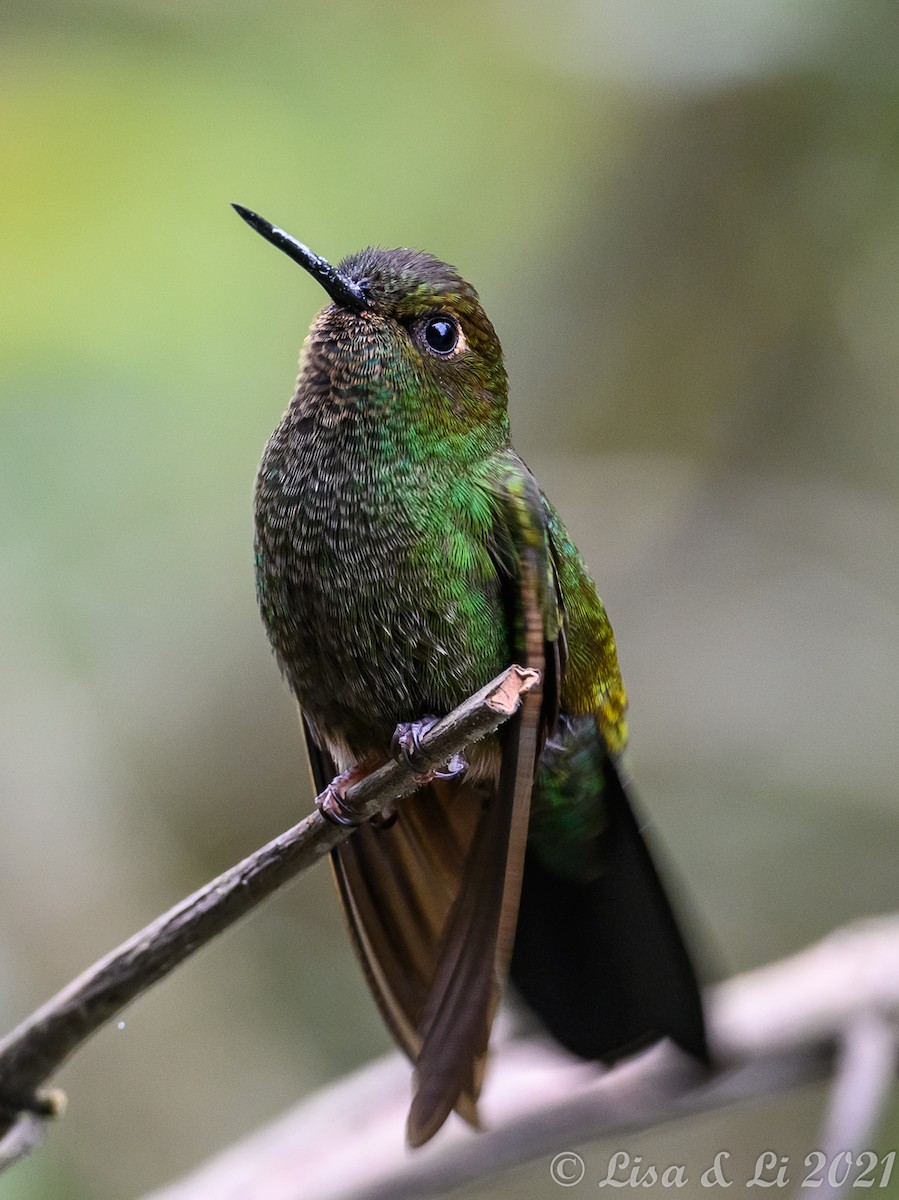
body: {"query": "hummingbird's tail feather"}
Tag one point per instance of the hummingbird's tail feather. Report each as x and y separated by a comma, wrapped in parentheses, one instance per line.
(603, 962)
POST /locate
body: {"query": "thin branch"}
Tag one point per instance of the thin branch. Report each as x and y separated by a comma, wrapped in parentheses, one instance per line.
(38, 1047)
(866, 1065)
(771, 1030)
(25, 1135)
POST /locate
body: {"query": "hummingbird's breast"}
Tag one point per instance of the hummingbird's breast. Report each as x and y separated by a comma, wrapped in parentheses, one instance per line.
(373, 570)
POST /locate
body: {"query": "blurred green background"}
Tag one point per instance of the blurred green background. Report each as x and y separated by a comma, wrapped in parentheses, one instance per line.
(683, 219)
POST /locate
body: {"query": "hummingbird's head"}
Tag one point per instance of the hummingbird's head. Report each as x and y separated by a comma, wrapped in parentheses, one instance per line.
(402, 325)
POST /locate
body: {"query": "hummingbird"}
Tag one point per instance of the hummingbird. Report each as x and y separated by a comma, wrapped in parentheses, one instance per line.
(404, 557)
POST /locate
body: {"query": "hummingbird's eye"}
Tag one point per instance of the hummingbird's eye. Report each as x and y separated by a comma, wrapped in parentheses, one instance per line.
(442, 334)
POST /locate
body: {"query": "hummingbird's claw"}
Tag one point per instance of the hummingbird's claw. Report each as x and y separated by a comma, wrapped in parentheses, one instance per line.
(454, 767)
(333, 806)
(332, 803)
(406, 748)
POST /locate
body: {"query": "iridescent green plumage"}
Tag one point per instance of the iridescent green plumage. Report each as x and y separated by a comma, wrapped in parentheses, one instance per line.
(404, 556)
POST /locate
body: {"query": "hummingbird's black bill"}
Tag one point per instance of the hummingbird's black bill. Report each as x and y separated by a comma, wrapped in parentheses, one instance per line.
(340, 288)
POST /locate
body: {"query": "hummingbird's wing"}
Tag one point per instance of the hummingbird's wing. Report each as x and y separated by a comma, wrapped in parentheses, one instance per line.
(423, 901)
(476, 944)
(599, 954)
(398, 886)
(432, 900)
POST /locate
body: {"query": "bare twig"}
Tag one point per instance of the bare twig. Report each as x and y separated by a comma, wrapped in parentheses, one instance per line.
(773, 1029)
(37, 1048)
(865, 1067)
(25, 1134)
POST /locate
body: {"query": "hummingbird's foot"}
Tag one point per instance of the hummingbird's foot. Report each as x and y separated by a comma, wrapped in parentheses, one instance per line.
(333, 807)
(454, 767)
(406, 748)
(332, 803)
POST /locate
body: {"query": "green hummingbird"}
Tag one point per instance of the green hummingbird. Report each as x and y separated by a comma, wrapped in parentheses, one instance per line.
(405, 555)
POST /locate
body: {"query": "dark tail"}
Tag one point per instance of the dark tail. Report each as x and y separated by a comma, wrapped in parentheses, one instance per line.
(603, 963)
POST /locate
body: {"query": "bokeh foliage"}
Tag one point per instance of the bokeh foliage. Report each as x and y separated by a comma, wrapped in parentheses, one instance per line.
(683, 219)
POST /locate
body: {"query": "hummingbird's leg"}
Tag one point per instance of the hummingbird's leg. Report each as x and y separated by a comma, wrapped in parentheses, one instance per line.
(406, 748)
